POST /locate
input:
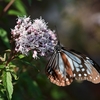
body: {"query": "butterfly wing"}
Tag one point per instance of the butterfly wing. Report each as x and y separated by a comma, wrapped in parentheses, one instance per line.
(83, 67)
(65, 66)
(57, 72)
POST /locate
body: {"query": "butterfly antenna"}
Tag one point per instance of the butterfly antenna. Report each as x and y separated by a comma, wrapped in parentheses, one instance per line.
(57, 36)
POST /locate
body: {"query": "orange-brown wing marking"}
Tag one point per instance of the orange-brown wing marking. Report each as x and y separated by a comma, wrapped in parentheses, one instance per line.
(69, 72)
(67, 65)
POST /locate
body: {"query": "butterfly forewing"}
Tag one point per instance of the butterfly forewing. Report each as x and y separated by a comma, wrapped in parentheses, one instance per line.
(84, 67)
(66, 65)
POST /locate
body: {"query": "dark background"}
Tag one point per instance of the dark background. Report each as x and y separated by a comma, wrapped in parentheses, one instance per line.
(78, 26)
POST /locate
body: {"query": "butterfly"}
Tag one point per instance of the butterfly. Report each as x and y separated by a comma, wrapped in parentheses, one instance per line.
(65, 66)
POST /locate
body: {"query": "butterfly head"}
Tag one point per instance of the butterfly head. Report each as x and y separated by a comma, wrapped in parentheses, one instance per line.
(58, 47)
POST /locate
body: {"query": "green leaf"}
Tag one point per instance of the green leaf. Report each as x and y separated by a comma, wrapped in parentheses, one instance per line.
(1, 66)
(3, 35)
(7, 82)
(15, 76)
(14, 12)
(21, 56)
(3, 58)
(20, 6)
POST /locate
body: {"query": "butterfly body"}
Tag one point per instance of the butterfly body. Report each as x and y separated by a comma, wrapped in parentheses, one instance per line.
(66, 65)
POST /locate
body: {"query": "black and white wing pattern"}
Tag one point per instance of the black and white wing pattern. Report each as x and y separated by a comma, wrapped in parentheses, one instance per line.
(64, 66)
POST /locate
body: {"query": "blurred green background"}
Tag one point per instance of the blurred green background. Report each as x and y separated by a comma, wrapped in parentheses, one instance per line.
(78, 26)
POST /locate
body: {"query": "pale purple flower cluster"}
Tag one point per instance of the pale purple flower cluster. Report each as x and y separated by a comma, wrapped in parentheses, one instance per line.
(33, 36)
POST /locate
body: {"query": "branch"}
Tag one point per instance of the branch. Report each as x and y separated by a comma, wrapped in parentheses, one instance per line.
(7, 7)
